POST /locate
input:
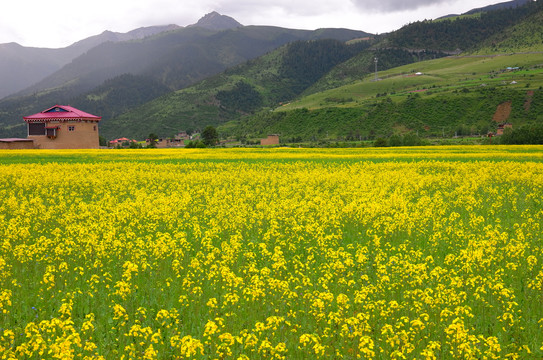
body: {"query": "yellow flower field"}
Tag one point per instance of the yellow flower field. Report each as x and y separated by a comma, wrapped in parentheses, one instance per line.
(422, 253)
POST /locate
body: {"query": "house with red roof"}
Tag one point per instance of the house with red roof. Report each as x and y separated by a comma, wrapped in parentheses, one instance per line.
(121, 142)
(63, 127)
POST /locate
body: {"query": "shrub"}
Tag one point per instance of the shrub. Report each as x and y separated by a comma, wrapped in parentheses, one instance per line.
(380, 142)
(528, 134)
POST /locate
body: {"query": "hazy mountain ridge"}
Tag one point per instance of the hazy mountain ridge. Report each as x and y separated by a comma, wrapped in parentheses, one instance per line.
(262, 82)
(21, 67)
(110, 59)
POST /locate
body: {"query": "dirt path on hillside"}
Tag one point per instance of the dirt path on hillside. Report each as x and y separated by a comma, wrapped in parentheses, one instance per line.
(503, 111)
(529, 98)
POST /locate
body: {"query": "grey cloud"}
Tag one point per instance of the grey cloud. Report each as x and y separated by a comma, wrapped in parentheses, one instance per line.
(294, 8)
(395, 5)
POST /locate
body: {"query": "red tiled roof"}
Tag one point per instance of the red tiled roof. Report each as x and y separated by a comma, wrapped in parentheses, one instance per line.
(61, 113)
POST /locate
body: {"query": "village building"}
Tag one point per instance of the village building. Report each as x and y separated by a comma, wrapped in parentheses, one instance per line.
(270, 140)
(159, 143)
(166, 143)
(121, 142)
(16, 143)
(182, 135)
(63, 127)
(177, 141)
(502, 127)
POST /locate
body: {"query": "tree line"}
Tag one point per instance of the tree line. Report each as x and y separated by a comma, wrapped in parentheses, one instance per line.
(462, 33)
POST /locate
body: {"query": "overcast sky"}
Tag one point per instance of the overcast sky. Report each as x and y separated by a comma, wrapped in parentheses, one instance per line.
(59, 23)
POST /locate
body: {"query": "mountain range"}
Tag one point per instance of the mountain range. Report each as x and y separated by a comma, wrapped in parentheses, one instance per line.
(219, 72)
(167, 60)
(21, 67)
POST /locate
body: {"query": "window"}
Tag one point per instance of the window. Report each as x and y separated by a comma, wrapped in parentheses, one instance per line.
(36, 128)
(94, 127)
(51, 132)
(71, 128)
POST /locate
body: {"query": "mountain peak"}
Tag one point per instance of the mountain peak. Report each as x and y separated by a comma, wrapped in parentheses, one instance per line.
(216, 21)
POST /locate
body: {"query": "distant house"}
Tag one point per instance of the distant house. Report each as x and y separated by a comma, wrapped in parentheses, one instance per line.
(270, 140)
(162, 143)
(177, 141)
(63, 127)
(121, 142)
(502, 127)
(182, 135)
(166, 143)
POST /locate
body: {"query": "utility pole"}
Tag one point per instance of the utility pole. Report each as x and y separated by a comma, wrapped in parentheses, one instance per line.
(376, 60)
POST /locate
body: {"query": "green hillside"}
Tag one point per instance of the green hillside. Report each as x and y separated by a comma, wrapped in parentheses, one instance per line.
(498, 32)
(454, 95)
(463, 33)
(359, 66)
(526, 36)
(447, 96)
(440, 76)
(451, 96)
(260, 83)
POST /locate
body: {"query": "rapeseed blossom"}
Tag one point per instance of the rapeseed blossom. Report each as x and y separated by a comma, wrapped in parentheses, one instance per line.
(426, 253)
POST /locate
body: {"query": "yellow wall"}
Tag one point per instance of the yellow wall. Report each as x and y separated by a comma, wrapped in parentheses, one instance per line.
(84, 136)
